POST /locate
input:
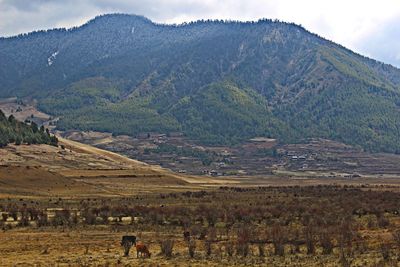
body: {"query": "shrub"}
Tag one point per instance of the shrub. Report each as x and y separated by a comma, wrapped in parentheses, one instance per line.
(310, 235)
(278, 240)
(383, 222)
(261, 249)
(167, 246)
(396, 237)
(244, 236)
(325, 240)
(61, 218)
(24, 221)
(42, 220)
(89, 217)
(229, 247)
(195, 230)
(4, 216)
(207, 247)
(385, 250)
(191, 248)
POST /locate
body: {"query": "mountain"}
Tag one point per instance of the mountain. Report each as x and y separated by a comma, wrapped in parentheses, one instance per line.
(13, 131)
(219, 82)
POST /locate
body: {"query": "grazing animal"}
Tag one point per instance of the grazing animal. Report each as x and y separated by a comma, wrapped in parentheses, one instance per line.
(186, 236)
(127, 242)
(142, 250)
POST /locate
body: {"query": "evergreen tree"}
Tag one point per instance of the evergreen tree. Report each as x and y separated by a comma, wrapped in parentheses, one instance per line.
(13, 131)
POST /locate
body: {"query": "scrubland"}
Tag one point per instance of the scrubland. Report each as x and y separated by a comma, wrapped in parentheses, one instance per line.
(328, 225)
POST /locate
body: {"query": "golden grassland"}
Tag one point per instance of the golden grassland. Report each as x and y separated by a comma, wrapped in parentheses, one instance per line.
(80, 170)
(100, 247)
(75, 173)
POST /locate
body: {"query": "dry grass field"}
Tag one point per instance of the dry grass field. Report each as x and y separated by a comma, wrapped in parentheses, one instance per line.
(79, 170)
(70, 206)
(229, 226)
(100, 247)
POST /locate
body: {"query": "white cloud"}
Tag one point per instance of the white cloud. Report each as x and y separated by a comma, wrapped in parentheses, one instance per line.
(352, 23)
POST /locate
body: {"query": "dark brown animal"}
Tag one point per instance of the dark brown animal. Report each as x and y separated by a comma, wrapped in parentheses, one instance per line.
(142, 251)
(127, 242)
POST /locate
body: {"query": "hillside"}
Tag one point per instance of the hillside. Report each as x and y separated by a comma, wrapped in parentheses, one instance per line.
(79, 170)
(217, 82)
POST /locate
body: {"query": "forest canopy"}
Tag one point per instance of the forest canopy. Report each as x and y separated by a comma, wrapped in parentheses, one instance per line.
(14, 131)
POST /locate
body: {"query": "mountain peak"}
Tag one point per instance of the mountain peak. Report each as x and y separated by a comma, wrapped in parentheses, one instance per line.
(119, 17)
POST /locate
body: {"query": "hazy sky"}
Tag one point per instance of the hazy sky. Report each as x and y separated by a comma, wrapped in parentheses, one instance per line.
(369, 27)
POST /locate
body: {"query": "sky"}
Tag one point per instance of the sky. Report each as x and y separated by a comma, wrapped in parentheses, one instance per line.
(369, 27)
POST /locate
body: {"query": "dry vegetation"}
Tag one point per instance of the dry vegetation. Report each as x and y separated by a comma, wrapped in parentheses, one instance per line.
(70, 206)
(278, 226)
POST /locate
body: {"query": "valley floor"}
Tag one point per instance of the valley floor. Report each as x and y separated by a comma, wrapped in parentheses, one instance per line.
(230, 226)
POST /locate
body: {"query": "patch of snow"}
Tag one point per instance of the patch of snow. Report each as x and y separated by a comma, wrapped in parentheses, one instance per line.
(105, 56)
(51, 59)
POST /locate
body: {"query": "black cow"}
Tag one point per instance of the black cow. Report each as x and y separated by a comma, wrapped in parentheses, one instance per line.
(127, 242)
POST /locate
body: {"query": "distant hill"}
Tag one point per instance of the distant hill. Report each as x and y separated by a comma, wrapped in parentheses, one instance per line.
(13, 131)
(78, 170)
(218, 82)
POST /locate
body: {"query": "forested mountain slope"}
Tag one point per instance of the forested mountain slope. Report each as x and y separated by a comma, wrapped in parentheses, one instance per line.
(218, 82)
